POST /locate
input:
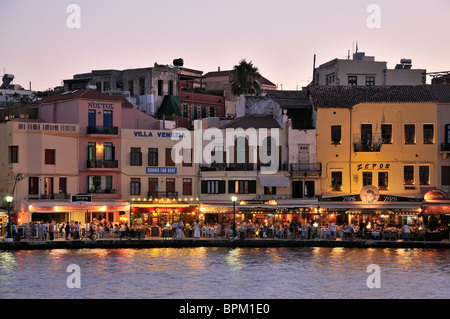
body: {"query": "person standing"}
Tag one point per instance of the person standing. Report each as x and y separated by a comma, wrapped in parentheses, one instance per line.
(51, 229)
(309, 228)
(332, 230)
(67, 230)
(77, 230)
(196, 230)
(405, 232)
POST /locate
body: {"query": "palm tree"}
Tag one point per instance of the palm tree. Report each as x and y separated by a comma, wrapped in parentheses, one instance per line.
(245, 77)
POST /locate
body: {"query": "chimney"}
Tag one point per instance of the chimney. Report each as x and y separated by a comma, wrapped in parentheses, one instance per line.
(218, 69)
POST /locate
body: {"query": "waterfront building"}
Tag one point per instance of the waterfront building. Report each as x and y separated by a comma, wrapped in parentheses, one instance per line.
(160, 188)
(221, 81)
(73, 149)
(363, 70)
(381, 142)
(145, 88)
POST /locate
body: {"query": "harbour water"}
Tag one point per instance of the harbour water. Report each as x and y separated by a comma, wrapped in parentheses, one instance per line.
(225, 273)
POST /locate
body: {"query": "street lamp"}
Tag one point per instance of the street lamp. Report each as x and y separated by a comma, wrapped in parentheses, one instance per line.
(9, 200)
(234, 199)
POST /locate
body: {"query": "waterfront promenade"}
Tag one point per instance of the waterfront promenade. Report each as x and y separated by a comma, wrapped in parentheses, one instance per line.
(159, 242)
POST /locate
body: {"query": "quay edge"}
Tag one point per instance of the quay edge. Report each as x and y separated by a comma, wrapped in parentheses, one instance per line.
(190, 243)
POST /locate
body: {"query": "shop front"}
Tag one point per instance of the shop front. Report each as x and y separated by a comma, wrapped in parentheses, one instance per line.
(115, 212)
(381, 210)
(162, 212)
(436, 212)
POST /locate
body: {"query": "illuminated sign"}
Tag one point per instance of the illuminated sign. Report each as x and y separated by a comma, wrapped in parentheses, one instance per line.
(81, 198)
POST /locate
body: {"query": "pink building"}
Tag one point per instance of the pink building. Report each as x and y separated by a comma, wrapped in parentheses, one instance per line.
(98, 119)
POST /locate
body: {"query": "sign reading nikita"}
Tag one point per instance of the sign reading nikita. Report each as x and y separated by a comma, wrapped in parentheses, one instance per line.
(81, 198)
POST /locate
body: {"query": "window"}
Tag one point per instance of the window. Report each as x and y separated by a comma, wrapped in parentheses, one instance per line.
(152, 157)
(131, 87)
(428, 134)
(336, 134)
(170, 187)
(242, 187)
(408, 175)
(213, 187)
(203, 115)
(136, 156)
(63, 185)
(187, 157)
(187, 186)
(13, 154)
(424, 175)
(119, 85)
(160, 87)
(370, 81)
(367, 178)
(49, 157)
(185, 111)
(309, 189)
(336, 181)
(366, 136)
(383, 180)
(99, 86)
(152, 187)
(108, 151)
(447, 134)
(135, 186)
(107, 118)
(170, 87)
(99, 184)
(48, 187)
(169, 160)
(91, 151)
(194, 112)
(386, 133)
(329, 78)
(91, 118)
(212, 111)
(270, 190)
(106, 86)
(33, 185)
(410, 133)
(141, 86)
(352, 80)
(445, 175)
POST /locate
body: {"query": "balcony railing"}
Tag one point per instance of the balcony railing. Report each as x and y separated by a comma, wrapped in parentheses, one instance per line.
(102, 164)
(239, 167)
(113, 130)
(372, 144)
(56, 196)
(155, 195)
(445, 147)
(306, 167)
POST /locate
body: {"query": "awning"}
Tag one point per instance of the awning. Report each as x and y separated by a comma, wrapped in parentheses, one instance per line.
(274, 181)
(170, 106)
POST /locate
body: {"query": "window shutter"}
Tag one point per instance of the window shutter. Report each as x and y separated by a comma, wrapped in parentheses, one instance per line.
(231, 187)
(221, 187)
(204, 187)
(252, 187)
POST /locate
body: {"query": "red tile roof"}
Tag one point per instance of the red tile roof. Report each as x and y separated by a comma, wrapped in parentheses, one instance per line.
(84, 94)
(348, 96)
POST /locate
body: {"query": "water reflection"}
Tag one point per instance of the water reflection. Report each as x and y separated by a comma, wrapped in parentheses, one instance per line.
(226, 273)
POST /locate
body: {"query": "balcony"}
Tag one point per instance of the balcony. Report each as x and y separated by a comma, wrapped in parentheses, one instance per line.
(445, 149)
(102, 130)
(306, 168)
(238, 167)
(369, 144)
(58, 196)
(155, 195)
(102, 164)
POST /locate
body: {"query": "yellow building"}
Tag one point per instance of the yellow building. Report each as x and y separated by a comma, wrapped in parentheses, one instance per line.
(380, 136)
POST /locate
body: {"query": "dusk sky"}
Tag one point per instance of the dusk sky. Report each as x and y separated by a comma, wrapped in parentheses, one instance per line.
(279, 37)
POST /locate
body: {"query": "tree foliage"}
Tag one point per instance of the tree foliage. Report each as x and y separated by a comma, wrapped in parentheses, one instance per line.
(245, 79)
